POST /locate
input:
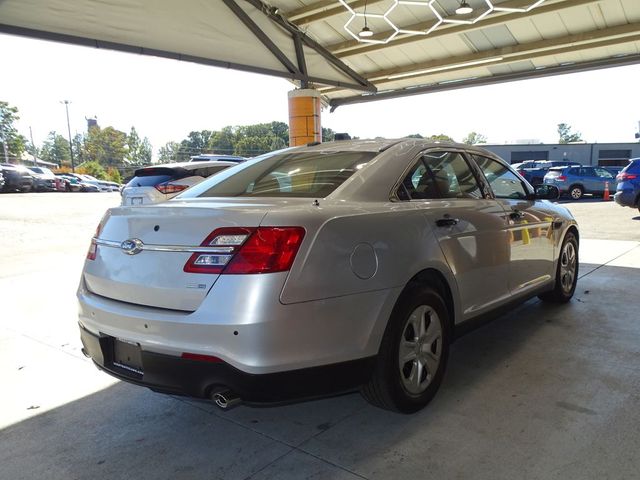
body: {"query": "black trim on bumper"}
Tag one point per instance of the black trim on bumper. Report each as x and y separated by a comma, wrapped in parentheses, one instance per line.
(175, 375)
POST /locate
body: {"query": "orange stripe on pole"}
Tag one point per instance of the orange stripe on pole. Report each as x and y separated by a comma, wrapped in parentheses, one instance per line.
(304, 117)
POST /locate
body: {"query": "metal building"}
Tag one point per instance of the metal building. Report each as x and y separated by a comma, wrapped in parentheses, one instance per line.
(598, 154)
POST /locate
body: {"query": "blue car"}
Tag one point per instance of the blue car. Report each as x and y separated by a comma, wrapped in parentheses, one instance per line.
(628, 190)
(576, 181)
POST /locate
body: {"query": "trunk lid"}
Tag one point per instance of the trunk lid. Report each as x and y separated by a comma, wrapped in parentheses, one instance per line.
(156, 278)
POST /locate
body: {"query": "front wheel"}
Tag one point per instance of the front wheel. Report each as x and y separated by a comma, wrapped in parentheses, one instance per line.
(566, 272)
(413, 353)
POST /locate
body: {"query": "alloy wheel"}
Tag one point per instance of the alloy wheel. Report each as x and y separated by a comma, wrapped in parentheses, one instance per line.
(420, 349)
(568, 263)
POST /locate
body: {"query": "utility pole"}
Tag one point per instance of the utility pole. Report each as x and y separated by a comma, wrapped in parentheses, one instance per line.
(66, 105)
(4, 139)
(33, 146)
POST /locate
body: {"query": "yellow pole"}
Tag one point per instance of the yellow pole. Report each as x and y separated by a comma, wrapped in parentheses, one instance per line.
(304, 117)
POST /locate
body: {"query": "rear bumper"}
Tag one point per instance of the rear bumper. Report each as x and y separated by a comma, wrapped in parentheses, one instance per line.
(175, 375)
(626, 198)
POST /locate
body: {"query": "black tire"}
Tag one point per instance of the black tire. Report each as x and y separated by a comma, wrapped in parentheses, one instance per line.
(576, 192)
(387, 389)
(562, 292)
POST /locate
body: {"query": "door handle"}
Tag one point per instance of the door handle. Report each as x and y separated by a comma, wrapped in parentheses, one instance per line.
(516, 215)
(447, 222)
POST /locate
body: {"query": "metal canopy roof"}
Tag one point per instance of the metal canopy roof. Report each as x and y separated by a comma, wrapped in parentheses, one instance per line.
(306, 40)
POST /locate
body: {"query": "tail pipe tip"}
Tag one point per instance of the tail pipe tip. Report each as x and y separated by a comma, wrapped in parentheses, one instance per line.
(226, 399)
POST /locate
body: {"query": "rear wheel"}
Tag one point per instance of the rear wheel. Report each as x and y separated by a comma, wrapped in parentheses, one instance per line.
(566, 272)
(413, 354)
(576, 192)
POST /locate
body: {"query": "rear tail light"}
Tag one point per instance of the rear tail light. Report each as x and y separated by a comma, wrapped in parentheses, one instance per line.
(247, 250)
(521, 172)
(93, 246)
(626, 176)
(561, 178)
(169, 188)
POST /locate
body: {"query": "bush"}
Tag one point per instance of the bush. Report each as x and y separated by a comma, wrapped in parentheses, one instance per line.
(114, 175)
(92, 168)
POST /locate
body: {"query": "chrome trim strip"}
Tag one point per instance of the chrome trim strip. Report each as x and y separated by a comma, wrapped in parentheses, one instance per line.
(167, 248)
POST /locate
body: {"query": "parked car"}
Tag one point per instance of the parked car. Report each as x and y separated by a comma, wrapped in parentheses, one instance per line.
(576, 181)
(16, 178)
(158, 184)
(206, 157)
(102, 187)
(74, 183)
(354, 272)
(628, 189)
(43, 179)
(1, 180)
(535, 174)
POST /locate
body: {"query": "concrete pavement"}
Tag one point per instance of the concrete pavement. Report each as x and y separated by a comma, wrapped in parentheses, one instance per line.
(543, 392)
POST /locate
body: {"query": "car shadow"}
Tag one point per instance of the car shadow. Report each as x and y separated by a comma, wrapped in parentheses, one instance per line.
(540, 367)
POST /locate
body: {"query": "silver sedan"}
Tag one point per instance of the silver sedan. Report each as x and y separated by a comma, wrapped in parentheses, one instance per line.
(321, 269)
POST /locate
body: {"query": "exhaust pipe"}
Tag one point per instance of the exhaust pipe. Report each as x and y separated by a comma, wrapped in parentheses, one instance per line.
(226, 399)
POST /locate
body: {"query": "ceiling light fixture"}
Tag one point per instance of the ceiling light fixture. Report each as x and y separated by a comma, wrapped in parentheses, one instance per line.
(464, 8)
(366, 32)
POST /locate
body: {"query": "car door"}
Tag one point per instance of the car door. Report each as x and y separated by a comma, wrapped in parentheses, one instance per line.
(471, 229)
(589, 179)
(530, 226)
(603, 177)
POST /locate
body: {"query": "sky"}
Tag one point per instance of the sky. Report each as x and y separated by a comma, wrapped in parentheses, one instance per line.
(166, 99)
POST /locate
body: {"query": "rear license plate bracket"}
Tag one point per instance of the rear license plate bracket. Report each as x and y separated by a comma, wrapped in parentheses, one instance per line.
(127, 355)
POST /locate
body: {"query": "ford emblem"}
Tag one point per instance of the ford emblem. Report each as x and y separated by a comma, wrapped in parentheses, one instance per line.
(132, 246)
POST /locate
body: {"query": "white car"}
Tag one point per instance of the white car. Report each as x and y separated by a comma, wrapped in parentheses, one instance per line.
(160, 183)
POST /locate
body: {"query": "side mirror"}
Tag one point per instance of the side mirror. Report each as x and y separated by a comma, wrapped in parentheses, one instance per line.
(546, 192)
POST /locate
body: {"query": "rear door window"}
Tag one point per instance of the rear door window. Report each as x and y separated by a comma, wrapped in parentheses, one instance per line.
(503, 182)
(439, 175)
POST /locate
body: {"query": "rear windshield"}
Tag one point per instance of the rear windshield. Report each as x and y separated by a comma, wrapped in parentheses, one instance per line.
(149, 177)
(554, 173)
(634, 165)
(308, 174)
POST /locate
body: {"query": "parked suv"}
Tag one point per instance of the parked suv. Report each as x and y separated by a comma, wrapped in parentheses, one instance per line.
(576, 181)
(535, 173)
(16, 177)
(628, 191)
(158, 184)
(43, 178)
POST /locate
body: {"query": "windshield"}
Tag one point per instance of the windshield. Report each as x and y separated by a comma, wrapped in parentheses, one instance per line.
(299, 174)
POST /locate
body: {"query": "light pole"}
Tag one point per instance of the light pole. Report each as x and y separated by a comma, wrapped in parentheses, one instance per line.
(66, 106)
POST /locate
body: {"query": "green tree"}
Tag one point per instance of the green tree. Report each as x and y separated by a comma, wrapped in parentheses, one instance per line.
(55, 149)
(138, 150)
(78, 148)
(474, 138)
(195, 144)
(566, 135)
(169, 153)
(328, 135)
(13, 144)
(223, 141)
(440, 138)
(107, 146)
(414, 135)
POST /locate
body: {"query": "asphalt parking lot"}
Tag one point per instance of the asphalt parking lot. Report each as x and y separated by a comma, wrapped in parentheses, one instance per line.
(544, 392)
